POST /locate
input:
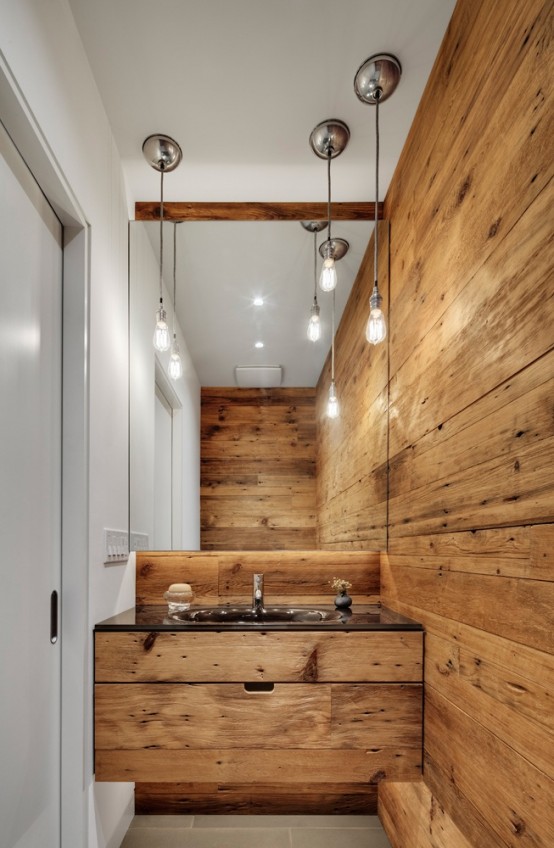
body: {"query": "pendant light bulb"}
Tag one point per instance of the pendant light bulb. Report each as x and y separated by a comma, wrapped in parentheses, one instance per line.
(328, 140)
(376, 330)
(163, 154)
(175, 367)
(314, 324)
(328, 276)
(162, 339)
(332, 403)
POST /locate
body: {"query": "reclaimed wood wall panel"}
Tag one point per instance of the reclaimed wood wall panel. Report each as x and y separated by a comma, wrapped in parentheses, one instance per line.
(517, 804)
(499, 323)
(257, 469)
(513, 607)
(352, 449)
(470, 410)
(453, 164)
(301, 577)
(489, 670)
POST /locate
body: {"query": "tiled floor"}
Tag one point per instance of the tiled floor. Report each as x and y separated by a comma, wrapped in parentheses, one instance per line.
(255, 832)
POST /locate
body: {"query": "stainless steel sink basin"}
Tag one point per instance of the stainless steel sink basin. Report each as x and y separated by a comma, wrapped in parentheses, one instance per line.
(247, 615)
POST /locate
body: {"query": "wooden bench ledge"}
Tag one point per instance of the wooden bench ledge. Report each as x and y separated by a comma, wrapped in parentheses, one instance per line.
(413, 818)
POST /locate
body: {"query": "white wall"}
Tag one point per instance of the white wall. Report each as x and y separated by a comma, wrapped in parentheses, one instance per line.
(44, 58)
(144, 275)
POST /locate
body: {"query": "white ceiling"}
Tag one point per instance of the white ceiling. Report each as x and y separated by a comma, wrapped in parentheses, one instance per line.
(240, 84)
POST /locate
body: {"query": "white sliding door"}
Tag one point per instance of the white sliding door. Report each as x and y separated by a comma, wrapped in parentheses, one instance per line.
(30, 507)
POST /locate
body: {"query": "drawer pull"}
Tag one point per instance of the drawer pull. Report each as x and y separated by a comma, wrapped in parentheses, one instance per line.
(259, 687)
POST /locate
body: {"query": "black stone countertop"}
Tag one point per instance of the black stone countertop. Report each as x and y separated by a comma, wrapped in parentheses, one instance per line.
(361, 617)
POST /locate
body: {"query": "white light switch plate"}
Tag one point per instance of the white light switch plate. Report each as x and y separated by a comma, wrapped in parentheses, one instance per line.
(116, 546)
(140, 542)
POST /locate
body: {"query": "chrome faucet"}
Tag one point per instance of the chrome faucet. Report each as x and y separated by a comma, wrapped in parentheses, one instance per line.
(258, 593)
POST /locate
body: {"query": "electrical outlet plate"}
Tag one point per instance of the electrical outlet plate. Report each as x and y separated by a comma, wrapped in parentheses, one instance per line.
(116, 546)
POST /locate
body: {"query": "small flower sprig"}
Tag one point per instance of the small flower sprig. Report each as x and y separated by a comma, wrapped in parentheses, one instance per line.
(339, 585)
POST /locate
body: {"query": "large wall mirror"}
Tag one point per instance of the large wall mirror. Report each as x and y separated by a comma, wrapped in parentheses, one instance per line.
(221, 267)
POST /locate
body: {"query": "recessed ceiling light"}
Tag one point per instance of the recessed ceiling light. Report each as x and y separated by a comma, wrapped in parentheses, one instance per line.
(259, 344)
(258, 301)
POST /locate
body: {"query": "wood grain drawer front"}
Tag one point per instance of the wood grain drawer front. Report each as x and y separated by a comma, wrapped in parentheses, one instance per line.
(239, 766)
(223, 734)
(211, 715)
(179, 656)
(293, 715)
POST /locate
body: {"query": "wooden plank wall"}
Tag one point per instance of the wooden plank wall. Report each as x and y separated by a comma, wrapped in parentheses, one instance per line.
(223, 577)
(471, 411)
(351, 480)
(258, 469)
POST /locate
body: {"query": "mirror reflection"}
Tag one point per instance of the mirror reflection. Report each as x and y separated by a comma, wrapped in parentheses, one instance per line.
(239, 285)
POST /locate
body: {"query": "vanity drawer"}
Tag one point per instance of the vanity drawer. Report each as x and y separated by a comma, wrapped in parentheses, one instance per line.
(239, 656)
(227, 733)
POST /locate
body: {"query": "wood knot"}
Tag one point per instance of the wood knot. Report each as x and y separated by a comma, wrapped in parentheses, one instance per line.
(518, 825)
(446, 668)
(466, 185)
(379, 775)
(146, 568)
(309, 672)
(148, 643)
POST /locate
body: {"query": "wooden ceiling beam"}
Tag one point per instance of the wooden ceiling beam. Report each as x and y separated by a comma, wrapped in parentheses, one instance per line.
(149, 210)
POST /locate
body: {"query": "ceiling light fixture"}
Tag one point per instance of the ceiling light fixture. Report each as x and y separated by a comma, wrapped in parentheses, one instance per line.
(258, 301)
(314, 324)
(163, 154)
(259, 345)
(328, 139)
(175, 367)
(375, 81)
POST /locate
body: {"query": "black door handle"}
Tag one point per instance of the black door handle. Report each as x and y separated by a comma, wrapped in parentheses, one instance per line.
(54, 617)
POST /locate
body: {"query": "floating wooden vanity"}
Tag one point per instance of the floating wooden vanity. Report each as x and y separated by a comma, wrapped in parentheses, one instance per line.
(297, 718)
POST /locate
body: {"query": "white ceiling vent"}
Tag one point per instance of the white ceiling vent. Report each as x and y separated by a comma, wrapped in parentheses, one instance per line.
(258, 376)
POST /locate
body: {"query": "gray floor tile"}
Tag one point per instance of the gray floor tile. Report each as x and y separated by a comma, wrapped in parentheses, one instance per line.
(162, 821)
(335, 821)
(238, 838)
(166, 837)
(286, 821)
(329, 838)
(240, 821)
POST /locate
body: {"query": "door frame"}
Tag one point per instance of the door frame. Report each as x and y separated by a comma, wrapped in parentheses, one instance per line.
(162, 384)
(75, 641)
